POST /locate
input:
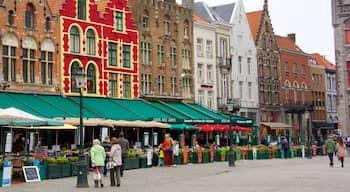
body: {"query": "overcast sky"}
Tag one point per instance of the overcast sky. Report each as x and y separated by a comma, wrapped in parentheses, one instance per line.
(309, 19)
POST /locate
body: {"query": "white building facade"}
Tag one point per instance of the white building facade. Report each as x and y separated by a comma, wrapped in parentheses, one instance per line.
(222, 53)
(204, 63)
(244, 72)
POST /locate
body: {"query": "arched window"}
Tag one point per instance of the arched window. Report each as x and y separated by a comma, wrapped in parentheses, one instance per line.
(91, 42)
(91, 78)
(74, 40)
(47, 24)
(10, 19)
(296, 92)
(303, 93)
(75, 68)
(287, 92)
(29, 15)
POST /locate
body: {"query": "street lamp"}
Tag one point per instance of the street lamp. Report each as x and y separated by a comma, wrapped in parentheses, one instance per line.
(232, 106)
(82, 182)
(308, 122)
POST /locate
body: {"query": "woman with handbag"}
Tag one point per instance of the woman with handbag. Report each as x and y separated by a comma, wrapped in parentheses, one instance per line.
(98, 156)
(341, 150)
(115, 161)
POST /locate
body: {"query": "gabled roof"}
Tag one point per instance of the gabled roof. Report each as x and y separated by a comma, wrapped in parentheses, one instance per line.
(55, 6)
(225, 11)
(321, 60)
(199, 18)
(101, 6)
(287, 43)
(203, 10)
(254, 19)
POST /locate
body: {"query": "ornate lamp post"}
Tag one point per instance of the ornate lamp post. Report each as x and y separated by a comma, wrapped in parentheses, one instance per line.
(82, 182)
(308, 121)
(232, 106)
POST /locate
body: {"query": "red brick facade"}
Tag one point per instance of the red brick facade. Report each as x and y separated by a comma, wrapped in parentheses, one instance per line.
(101, 38)
(29, 50)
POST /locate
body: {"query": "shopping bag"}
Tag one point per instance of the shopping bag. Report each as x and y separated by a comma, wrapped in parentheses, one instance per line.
(97, 174)
(110, 165)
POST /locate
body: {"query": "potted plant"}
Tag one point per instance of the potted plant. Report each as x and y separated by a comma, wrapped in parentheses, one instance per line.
(74, 165)
(206, 156)
(132, 162)
(53, 169)
(65, 166)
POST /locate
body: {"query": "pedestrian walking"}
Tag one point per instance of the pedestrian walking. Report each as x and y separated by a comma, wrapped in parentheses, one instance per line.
(124, 144)
(330, 148)
(167, 150)
(285, 147)
(106, 144)
(176, 153)
(341, 150)
(98, 156)
(116, 158)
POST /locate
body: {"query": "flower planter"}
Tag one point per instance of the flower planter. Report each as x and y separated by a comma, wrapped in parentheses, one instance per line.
(195, 157)
(53, 171)
(66, 170)
(181, 159)
(262, 155)
(250, 154)
(131, 163)
(217, 155)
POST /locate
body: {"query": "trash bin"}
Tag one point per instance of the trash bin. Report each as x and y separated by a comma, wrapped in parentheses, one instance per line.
(149, 155)
(255, 153)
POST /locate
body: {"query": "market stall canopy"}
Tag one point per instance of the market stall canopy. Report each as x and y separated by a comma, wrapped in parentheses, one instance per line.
(182, 126)
(53, 127)
(16, 117)
(219, 128)
(116, 123)
(276, 125)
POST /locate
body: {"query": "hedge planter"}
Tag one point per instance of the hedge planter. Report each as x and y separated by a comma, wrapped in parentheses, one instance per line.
(1, 170)
(263, 155)
(155, 160)
(206, 157)
(217, 155)
(180, 159)
(250, 154)
(143, 162)
(195, 157)
(131, 163)
(65, 170)
(53, 171)
(74, 168)
(43, 169)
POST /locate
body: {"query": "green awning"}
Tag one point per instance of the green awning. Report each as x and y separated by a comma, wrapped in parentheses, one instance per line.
(182, 126)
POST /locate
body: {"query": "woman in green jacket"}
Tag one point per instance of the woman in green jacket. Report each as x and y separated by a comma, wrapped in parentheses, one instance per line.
(330, 148)
(98, 156)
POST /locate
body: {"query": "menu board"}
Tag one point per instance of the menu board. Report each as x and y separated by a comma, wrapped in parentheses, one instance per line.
(31, 173)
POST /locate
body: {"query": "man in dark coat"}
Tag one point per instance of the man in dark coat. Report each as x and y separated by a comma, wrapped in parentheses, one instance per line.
(285, 147)
(124, 144)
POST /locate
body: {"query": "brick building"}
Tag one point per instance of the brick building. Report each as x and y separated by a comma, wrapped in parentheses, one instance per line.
(295, 84)
(268, 68)
(166, 47)
(29, 47)
(101, 39)
(318, 96)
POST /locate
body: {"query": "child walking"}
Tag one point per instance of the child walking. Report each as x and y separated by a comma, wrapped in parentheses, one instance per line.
(176, 153)
(161, 156)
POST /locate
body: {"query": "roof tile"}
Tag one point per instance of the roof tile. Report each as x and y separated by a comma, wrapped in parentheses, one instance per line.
(323, 61)
(254, 19)
(287, 43)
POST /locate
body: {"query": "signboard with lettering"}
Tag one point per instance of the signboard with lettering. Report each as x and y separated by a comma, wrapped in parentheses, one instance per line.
(31, 173)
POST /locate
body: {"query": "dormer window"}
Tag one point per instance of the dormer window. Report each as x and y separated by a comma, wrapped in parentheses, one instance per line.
(10, 19)
(119, 21)
(81, 7)
(29, 15)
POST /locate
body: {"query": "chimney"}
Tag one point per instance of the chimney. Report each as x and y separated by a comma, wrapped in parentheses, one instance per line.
(189, 4)
(291, 36)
